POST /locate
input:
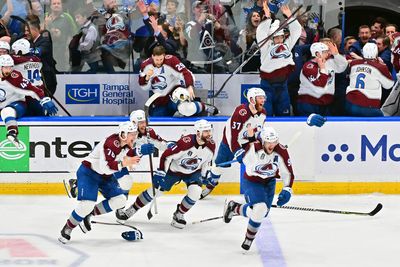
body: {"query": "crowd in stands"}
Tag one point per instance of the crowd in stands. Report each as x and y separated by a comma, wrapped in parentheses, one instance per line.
(207, 36)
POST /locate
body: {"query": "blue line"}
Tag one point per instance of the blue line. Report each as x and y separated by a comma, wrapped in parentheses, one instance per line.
(268, 246)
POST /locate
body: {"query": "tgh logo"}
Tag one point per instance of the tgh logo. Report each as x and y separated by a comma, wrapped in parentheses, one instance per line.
(380, 149)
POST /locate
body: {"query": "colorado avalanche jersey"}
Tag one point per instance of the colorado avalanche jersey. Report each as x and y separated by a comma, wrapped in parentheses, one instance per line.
(166, 78)
(153, 138)
(396, 52)
(30, 67)
(105, 156)
(187, 156)
(235, 131)
(276, 59)
(316, 87)
(367, 77)
(15, 88)
(260, 166)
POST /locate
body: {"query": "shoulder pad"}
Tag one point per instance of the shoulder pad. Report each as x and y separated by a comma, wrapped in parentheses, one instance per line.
(14, 75)
(242, 112)
(282, 146)
(187, 139)
(168, 56)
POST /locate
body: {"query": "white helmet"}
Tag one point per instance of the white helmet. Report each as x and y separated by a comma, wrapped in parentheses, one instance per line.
(318, 47)
(4, 45)
(268, 134)
(21, 45)
(180, 94)
(202, 125)
(254, 92)
(137, 115)
(370, 50)
(6, 61)
(127, 127)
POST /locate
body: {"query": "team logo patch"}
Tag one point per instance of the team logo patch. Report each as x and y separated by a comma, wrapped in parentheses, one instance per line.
(159, 83)
(310, 66)
(14, 75)
(2, 95)
(266, 169)
(168, 56)
(191, 163)
(280, 51)
(242, 112)
(116, 143)
(186, 139)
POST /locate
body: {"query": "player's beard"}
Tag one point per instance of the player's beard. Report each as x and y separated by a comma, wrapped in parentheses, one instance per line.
(259, 107)
(5, 75)
(206, 139)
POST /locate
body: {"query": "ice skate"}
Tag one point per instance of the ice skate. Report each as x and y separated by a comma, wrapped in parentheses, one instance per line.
(229, 211)
(65, 234)
(178, 219)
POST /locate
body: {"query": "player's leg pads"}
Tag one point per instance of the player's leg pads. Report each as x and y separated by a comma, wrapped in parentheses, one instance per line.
(8, 112)
(117, 202)
(229, 210)
(259, 212)
(84, 207)
(65, 234)
(178, 219)
(187, 108)
(125, 182)
(194, 192)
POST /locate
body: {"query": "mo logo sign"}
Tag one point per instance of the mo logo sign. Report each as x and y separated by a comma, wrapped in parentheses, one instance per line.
(12, 158)
(381, 149)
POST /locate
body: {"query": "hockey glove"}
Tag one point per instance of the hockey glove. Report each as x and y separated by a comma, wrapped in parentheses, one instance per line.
(48, 106)
(211, 179)
(159, 179)
(315, 120)
(284, 196)
(147, 149)
(132, 235)
(239, 154)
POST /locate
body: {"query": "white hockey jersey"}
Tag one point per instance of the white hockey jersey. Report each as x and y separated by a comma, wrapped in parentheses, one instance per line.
(367, 77)
(15, 88)
(30, 67)
(316, 87)
(235, 131)
(187, 157)
(261, 167)
(277, 60)
(166, 78)
(105, 156)
(153, 138)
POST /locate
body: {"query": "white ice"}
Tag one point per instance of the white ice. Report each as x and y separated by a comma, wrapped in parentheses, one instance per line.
(286, 238)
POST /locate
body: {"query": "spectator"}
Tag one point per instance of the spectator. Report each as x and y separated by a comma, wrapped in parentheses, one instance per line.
(182, 7)
(378, 27)
(89, 42)
(171, 12)
(364, 35)
(42, 45)
(348, 42)
(62, 27)
(384, 53)
(36, 8)
(390, 30)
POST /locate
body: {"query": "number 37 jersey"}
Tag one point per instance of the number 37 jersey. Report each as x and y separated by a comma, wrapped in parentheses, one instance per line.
(29, 67)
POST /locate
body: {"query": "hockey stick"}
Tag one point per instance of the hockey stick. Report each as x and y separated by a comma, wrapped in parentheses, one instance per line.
(262, 43)
(116, 223)
(146, 111)
(371, 213)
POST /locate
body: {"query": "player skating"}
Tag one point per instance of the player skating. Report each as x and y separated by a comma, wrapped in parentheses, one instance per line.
(246, 118)
(111, 155)
(187, 161)
(262, 161)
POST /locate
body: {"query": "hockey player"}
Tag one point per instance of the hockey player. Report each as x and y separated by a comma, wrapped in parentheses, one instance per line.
(13, 90)
(240, 129)
(317, 79)
(163, 73)
(367, 77)
(111, 155)
(262, 161)
(187, 161)
(277, 61)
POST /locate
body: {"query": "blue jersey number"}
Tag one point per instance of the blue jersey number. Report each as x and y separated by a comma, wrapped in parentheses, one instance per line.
(34, 75)
(360, 84)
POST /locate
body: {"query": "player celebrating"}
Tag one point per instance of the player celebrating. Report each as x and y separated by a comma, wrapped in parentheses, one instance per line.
(317, 79)
(95, 175)
(262, 161)
(367, 77)
(240, 129)
(13, 90)
(277, 60)
(162, 74)
(187, 161)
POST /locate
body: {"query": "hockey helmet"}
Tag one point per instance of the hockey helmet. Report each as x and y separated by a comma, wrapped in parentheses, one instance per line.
(318, 47)
(4, 45)
(127, 127)
(6, 61)
(202, 125)
(370, 51)
(180, 94)
(21, 45)
(254, 92)
(137, 116)
(268, 134)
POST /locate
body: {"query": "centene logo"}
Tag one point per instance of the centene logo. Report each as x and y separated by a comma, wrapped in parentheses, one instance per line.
(82, 93)
(380, 149)
(10, 152)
